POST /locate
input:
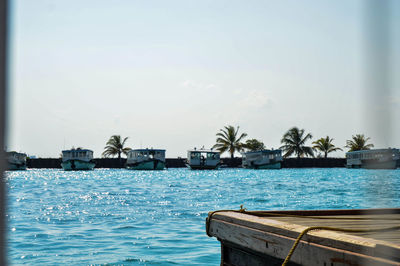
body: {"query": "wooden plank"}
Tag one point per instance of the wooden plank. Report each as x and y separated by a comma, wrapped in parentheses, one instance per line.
(379, 211)
(236, 255)
(278, 246)
(327, 238)
(285, 228)
(370, 221)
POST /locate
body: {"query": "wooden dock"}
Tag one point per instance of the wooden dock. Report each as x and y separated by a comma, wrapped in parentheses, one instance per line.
(336, 237)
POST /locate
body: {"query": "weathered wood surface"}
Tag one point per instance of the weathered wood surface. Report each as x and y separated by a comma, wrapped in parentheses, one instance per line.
(353, 222)
(274, 236)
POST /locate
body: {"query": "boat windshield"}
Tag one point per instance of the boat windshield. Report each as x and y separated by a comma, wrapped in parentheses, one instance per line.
(195, 155)
(212, 155)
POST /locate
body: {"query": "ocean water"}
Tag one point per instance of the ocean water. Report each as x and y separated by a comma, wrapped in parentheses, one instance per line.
(122, 217)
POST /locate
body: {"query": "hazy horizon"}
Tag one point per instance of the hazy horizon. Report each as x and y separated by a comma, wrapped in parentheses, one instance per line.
(170, 75)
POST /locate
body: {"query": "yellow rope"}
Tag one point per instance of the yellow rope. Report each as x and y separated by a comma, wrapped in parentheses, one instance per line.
(305, 231)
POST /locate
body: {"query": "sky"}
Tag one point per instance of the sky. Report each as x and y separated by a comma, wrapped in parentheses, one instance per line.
(171, 74)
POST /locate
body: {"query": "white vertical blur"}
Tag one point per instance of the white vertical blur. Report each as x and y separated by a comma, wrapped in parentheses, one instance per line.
(378, 91)
(377, 64)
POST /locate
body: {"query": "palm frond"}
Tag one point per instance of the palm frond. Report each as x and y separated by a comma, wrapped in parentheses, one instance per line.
(114, 146)
(241, 137)
(227, 140)
(308, 151)
(358, 142)
(294, 143)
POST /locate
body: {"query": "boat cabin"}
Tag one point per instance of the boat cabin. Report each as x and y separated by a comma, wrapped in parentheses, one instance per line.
(373, 159)
(203, 159)
(16, 160)
(77, 159)
(16, 156)
(146, 159)
(145, 154)
(264, 159)
(77, 154)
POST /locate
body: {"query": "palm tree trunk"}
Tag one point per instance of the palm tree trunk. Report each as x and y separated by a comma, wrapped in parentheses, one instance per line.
(232, 155)
(119, 158)
(326, 155)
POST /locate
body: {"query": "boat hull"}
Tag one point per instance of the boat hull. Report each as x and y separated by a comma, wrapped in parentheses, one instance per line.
(276, 165)
(147, 165)
(203, 167)
(76, 165)
(376, 165)
(14, 167)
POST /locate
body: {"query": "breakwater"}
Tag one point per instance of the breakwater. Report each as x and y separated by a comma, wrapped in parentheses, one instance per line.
(313, 162)
(180, 162)
(56, 163)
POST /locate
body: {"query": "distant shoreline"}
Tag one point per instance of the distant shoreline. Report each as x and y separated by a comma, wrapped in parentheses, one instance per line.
(180, 162)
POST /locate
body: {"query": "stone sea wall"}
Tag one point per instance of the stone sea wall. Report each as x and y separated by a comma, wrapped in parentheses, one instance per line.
(180, 162)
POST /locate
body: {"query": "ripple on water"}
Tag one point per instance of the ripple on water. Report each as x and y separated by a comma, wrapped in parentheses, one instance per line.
(125, 217)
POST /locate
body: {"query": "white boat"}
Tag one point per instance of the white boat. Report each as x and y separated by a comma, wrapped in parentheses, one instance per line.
(264, 159)
(373, 159)
(16, 160)
(146, 159)
(77, 159)
(203, 159)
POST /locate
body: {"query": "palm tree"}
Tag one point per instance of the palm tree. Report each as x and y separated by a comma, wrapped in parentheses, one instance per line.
(114, 146)
(294, 142)
(359, 142)
(325, 145)
(254, 145)
(227, 140)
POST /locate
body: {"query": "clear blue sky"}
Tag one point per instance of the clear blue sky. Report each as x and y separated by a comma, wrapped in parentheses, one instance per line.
(170, 74)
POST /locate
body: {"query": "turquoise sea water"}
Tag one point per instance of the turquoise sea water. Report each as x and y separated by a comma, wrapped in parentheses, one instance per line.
(127, 217)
